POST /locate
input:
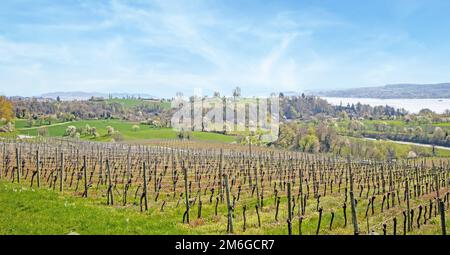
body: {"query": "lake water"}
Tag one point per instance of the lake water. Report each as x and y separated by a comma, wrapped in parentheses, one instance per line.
(411, 105)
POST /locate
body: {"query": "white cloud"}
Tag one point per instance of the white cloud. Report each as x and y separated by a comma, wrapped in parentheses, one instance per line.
(161, 47)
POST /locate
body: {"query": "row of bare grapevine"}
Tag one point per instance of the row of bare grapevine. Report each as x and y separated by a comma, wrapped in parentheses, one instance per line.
(240, 182)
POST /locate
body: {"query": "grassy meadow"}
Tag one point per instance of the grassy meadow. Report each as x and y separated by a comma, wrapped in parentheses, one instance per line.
(145, 132)
(27, 210)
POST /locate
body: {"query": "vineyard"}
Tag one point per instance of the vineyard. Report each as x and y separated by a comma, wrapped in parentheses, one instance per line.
(238, 189)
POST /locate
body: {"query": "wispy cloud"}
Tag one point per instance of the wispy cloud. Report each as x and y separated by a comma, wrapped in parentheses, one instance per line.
(160, 47)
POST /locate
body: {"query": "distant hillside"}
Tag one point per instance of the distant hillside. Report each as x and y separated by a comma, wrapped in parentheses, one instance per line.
(441, 90)
(79, 95)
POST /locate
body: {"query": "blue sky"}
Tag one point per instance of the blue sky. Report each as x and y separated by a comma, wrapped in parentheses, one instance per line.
(161, 47)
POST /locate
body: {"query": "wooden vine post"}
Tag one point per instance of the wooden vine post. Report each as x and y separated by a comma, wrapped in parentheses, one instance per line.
(186, 192)
(38, 170)
(221, 176)
(229, 207)
(289, 219)
(110, 194)
(61, 173)
(258, 200)
(85, 193)
(144, 194)
(18, 164)
(442, 213)
(300, 192)
(128, 176)
(408, 210)
(155, 175)
(129, 165)
(352, 200)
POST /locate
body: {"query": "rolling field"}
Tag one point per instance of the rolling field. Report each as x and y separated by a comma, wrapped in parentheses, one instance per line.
(145, 132)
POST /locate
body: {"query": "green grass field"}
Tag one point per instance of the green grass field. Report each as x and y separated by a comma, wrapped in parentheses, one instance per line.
(145, 132)
(48, 212)
(26, 210)
(31, 211)
(442, 124)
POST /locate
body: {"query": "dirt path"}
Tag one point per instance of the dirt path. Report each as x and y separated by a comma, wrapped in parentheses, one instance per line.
(52, 125)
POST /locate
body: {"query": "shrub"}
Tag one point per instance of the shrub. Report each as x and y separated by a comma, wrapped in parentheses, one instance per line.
(71, 131)
(412, 154)
(110, 130)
